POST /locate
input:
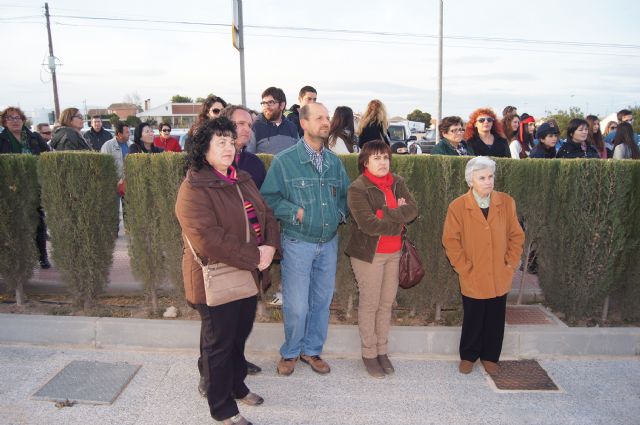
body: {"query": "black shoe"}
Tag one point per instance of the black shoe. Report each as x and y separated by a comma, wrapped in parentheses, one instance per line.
(202, 387)
(44, 264)
(253, 369)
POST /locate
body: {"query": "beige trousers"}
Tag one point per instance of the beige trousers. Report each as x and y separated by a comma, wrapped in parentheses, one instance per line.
(378, 285)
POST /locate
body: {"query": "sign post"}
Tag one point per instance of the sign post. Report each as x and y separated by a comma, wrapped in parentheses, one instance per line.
(237, 35)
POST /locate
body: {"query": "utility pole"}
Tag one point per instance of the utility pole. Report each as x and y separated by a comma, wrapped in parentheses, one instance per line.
(237, 34)
(439, 106)
(52, 65)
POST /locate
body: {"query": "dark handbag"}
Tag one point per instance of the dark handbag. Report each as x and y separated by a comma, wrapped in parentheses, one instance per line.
(411, 270)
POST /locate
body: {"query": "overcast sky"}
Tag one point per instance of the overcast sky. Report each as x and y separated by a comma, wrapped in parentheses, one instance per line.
(537, 55)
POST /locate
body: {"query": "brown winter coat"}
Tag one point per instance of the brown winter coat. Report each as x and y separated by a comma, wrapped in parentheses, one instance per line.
(364, 199)
(212, 216)
(484, 252)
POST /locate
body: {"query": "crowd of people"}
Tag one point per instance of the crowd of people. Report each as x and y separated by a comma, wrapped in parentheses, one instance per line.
(235, 215)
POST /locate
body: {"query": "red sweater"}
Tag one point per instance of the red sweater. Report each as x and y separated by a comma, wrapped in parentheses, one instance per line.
(169, 145)
(387, 244)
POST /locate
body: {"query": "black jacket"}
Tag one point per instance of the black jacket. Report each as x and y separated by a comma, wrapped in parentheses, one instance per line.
(68, 139)
(139, 148)
(541, 151)
(500, 147)
(294, 116)
(373, 131)
(570, 149)
(36, 143)
(97, 139)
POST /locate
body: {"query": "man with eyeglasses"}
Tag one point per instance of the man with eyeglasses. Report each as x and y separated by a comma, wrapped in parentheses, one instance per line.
(97, 135)
(306, 96)
(165, 141)
(273, 132)
(17, 138)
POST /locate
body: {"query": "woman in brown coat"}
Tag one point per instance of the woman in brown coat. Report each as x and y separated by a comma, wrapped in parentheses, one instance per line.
(215, 221)
(381, 205)
(483, 240)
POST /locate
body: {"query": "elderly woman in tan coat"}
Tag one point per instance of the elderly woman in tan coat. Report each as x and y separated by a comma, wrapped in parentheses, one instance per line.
(483, 240)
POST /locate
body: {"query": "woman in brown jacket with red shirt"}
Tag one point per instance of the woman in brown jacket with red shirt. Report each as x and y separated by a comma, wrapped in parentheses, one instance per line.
(483, 240)
(212, 216)
(381, 205)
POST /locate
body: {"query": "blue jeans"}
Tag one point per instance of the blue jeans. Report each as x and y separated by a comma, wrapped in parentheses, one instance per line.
(308, 273)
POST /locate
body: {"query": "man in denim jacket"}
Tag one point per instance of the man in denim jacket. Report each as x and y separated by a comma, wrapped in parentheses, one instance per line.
(306, 186)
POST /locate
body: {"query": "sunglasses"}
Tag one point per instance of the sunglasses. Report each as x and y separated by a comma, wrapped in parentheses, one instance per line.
(483, 119)
(166, 130)
(613, 127)
(215, 110)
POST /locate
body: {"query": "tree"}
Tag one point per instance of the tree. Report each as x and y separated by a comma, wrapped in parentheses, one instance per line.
(134, 99)
(563, 117)
(635, 110)
(419, 116)
(133, 121)
(181, 99)
(200, 99)
(113, 119)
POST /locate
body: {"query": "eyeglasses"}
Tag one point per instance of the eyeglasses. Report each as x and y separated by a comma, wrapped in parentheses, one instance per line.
(215, 110)
(45, 132)
(268, 103)
(456, 130)
(487, 119)
(14, 118)
(166, 130)
(78, 116)
(613, 127)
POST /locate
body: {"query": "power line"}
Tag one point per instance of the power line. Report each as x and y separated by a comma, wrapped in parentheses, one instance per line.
(362, 32)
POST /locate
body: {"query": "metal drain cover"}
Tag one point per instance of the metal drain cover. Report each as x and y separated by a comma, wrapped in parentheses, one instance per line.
(522, 375)
(88, 382)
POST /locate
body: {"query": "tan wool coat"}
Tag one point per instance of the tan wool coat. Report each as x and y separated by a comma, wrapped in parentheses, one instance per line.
(484, 252)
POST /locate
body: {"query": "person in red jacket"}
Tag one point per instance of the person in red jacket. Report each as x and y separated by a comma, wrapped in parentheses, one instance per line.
(165, 141)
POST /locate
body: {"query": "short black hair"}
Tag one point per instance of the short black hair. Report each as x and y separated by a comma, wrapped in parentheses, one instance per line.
(120, 125)
(306, 89)
(202, 135)
(95, 116)
(623, 113)
(573, 126)
(164, 124)
(277, 94)
(372, 147)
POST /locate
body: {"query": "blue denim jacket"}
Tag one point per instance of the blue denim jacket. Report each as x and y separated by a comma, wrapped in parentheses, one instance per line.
(293, 182)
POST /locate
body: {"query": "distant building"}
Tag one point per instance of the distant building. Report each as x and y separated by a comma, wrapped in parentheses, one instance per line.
(123, 110)
(179, 115)
(97, 111)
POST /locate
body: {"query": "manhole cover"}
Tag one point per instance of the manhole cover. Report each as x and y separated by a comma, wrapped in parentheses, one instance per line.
(522, 375)
(527, 315)
(88, 382)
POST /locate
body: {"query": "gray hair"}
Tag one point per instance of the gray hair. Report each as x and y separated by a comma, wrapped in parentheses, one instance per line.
(476, 164)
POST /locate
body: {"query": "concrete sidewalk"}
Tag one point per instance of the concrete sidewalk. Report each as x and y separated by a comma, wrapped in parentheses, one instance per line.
(422, 391)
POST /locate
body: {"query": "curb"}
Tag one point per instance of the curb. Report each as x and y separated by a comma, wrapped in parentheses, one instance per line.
(343, 340)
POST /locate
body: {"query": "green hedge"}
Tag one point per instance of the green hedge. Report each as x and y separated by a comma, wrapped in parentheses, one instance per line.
(581, 215)
(19, 200)
(80, 199)
(155, 244)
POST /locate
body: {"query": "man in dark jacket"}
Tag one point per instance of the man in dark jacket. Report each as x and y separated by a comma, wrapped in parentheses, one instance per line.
(273, 132)
(17, 138)
(96, 135)
(306, 96)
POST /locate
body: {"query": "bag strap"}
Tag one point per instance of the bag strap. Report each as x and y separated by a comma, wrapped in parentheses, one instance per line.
(246, 220)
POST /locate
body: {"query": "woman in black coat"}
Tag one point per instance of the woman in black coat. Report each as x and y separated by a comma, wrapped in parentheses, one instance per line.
(143, 140)
(484, 135)
(577, 144)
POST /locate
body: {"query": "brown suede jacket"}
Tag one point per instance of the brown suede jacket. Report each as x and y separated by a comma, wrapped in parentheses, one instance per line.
(212, 216)
(364, 199)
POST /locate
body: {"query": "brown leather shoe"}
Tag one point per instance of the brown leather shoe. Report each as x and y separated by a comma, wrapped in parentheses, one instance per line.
(490, 367)
(465, 366)
(385, 363)
(317, 364)
(286, 366)
(373, 367)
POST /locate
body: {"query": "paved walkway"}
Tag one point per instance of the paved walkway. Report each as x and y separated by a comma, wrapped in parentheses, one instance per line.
(423, 391)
